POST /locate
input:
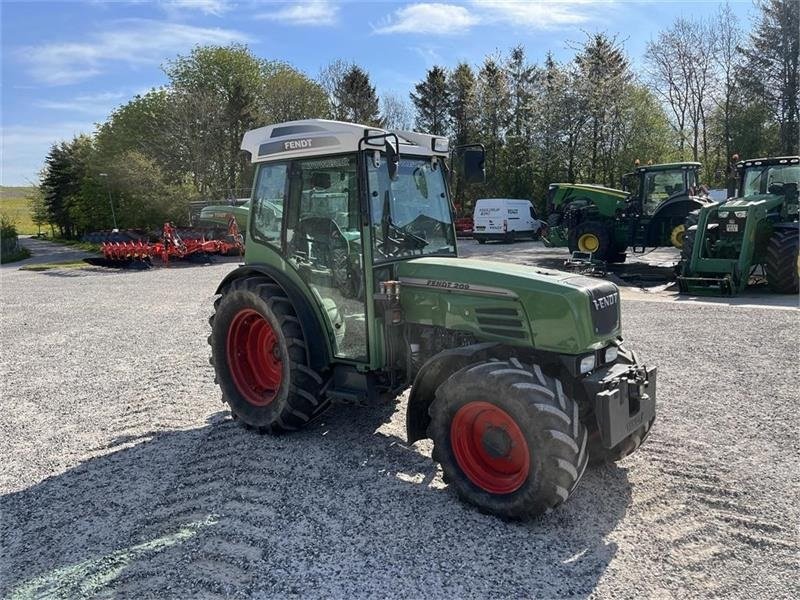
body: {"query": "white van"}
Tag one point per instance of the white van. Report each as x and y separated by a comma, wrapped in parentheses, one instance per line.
(504, 219)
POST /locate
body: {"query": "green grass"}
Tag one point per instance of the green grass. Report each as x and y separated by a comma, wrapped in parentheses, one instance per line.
(67, 264)
(15, 204)
(85, 246)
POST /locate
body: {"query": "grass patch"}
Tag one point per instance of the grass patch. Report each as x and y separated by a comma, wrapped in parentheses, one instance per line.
(20, 254)
(67, 264)
(15, 203)
(85, 246)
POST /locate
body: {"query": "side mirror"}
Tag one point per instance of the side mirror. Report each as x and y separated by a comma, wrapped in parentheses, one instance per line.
(471, 163)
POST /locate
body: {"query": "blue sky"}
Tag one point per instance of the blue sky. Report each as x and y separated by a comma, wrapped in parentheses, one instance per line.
(66, 65)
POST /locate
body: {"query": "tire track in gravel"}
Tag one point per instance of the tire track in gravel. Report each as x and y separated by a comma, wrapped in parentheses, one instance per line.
(706, 520)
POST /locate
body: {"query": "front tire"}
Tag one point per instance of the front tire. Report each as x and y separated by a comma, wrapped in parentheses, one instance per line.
(591, 236)
(508, 438)
(260, 358)
(782, 264)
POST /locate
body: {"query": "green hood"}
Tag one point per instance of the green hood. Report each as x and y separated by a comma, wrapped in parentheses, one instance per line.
(550, 310)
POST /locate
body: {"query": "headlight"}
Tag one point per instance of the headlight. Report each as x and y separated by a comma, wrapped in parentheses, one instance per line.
(587, 364)
(740, 214)
(611, 354)
(723, 215)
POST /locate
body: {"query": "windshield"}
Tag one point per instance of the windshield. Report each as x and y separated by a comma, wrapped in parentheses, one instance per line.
(411, 215)
(769, 179)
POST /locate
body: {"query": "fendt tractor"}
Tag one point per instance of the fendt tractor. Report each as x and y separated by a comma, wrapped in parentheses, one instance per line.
(755, 232)
(353, 290)
(649, 211)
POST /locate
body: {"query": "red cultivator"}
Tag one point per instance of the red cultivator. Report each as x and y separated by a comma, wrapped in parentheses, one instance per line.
(172, 246)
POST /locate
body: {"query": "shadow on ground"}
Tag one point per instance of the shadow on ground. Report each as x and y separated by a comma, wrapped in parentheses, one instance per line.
(337, 509)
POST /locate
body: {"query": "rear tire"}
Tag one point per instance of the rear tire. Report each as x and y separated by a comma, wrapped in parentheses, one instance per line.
(509, 439)
(480, 240)
(260, 358)
(782, 263)
(591, 236)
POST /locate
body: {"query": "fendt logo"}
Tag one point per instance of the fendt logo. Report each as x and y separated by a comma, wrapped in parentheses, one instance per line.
(605, 301)
(297, 144)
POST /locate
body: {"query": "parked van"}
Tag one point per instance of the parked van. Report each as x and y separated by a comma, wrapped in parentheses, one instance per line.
(504, 219)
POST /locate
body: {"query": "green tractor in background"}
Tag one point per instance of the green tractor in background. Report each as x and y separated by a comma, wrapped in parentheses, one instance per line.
(726, 243)
(354, 290)
(649, 212)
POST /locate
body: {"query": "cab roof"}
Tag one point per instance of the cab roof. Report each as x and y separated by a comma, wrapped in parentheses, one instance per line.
(318, 137)
(668, 166)
(772, 160)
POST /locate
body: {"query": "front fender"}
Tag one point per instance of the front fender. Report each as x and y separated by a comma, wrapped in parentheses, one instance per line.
(433, 373)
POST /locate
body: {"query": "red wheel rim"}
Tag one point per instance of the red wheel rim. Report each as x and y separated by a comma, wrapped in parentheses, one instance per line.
(489, 447)
(254, 357)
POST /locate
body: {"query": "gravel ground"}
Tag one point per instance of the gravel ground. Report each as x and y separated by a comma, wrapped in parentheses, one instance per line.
(122, 474)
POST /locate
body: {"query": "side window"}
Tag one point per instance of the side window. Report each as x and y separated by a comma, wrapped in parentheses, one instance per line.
(533, 213)
(268, 202)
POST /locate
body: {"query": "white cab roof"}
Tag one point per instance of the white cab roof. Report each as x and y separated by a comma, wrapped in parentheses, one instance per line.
(317, 137)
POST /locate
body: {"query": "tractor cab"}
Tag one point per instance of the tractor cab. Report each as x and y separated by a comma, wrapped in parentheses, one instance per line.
(778, 176)
(653, 186)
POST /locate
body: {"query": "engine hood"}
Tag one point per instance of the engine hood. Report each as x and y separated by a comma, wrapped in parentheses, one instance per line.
(548, 309)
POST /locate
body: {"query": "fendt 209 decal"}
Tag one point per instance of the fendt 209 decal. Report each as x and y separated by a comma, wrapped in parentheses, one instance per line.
(457, 286)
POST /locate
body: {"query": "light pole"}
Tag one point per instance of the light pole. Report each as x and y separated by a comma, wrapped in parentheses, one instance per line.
(108, 190)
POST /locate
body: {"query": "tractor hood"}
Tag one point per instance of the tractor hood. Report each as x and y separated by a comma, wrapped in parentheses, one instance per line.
(621, 194)
(521, 305)
(766, 201)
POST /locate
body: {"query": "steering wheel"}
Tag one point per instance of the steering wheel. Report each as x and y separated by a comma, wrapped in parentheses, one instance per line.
(398, 242)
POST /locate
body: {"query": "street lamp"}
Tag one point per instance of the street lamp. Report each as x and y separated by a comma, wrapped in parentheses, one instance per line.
(108, 190)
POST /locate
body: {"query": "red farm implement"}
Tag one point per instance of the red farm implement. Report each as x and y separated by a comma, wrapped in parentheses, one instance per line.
(172, 246)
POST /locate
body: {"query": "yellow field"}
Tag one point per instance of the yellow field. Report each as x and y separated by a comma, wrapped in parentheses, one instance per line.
(14, 204)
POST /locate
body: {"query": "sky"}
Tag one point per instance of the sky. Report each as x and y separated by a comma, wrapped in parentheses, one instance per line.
(66, 65)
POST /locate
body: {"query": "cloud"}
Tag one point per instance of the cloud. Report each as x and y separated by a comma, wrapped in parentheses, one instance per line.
(315, 13)
(24, 148)
(90, 104)
(130, 41)
(540, 15)
(207, 7)
(433, 18)
(448, 19)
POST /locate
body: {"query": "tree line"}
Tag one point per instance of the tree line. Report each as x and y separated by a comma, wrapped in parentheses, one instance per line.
(707, 89)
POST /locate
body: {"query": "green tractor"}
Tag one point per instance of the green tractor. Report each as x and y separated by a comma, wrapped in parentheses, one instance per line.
(649, 212)
(729, 242)
(356, 291)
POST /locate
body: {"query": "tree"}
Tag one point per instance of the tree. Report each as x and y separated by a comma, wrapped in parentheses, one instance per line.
(431, 99)
(288, 95)
(461, 88)
(356, 98)
(395, 113)
(330, 79)
(771, 73)
(65, 167)
(226, 83)
(38, 208)
(493, 103)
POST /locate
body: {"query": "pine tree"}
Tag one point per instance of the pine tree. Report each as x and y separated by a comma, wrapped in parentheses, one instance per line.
(461, 89)
(494, 104)
(771, 74)
(356, 98)
(431, 98)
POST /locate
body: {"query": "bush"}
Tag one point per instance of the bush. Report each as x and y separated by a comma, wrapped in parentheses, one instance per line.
(10, 249)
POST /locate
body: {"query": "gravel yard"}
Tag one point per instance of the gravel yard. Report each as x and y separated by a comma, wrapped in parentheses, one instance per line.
(123, 475)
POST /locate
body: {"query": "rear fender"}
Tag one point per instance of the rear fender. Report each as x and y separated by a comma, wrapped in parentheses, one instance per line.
(436, 371)
(319, 355)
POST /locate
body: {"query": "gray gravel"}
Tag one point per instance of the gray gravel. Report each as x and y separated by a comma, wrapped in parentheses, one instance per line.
(122, 474)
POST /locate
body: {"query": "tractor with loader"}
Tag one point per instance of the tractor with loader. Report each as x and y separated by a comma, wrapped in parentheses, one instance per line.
(354, 290)
(648, 212)
(756, 232)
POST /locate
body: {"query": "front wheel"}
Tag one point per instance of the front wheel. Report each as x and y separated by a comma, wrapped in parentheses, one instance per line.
(260, 357)
(593, 237)
(508, 437)
(782, 262)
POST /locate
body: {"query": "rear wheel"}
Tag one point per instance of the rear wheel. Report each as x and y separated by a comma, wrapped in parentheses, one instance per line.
(481, 240)
(782, 263)
(260, 357)
(508, 438)
(677, 236)
(591, 236)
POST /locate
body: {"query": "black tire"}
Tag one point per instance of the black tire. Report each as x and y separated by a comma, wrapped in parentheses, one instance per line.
(545, 417)
(599, 455)
(296, 401)
(480, 240)
(689, 236)
(597, 229)
(781, 263)
(617, 255)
